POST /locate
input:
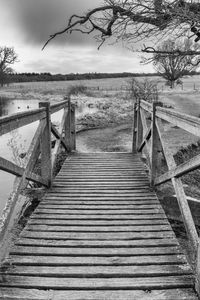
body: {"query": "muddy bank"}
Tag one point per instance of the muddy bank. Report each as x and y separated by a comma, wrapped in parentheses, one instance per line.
(109, 139)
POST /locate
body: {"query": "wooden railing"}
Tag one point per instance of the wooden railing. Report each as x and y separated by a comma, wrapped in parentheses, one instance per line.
(148, 137)
(40, 148)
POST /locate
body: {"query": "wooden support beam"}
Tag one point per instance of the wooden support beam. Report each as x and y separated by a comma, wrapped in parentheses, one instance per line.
(197, 271)
(186, 122)
(68, 128)
(180, 194)
(134, 128)
(58, 136)
(184, 168)
(145, 139)
(73, 127)
(58, 142)
(19, 185)
(45, 145)
(13, 169)
(139, 137)
(155, 146)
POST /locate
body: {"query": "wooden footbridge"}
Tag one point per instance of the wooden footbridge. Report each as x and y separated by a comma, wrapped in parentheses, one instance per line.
(99, 232)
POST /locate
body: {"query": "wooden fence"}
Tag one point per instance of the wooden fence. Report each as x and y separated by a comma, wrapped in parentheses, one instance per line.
(148, 137)
(40, 148)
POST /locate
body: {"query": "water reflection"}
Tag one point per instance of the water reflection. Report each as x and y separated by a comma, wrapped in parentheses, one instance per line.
(15, 143)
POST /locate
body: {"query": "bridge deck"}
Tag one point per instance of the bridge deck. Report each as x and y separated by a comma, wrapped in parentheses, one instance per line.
(99, 233)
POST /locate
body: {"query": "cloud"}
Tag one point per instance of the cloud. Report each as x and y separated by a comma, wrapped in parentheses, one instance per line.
(75, 60)
(37, 19)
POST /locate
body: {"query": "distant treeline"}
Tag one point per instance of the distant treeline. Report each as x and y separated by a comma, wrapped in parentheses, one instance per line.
(30, 77)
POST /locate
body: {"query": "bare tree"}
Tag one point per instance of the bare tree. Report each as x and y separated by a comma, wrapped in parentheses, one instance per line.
(135, 20)
(171, 60)
(7, 57)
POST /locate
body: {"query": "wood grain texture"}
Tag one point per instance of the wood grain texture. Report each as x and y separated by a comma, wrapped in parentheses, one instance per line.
(99, 233)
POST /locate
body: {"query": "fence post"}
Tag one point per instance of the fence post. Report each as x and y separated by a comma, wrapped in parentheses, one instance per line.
(45, 146)
(154, 146)
(139, 136)
(134, 128)
(73, 127)
(68, 127)
(197, 275)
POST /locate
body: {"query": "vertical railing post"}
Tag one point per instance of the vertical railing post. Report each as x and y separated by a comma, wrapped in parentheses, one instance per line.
(73, 128)
(134, 128)
(154, 146)
(197, 275)
(68, 127)
(139, 136)
(45, 146)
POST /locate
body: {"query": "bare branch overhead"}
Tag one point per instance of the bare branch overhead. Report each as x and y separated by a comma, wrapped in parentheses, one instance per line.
(133, 20)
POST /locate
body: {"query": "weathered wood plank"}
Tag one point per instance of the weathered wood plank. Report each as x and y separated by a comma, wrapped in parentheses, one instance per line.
(97, 235)
(181, 197)
(59, 222)
(111, 251)
(35, 294)
(13, 169)
(66, 216)
(96, 243)
(101, 271)
(185, 281)
(97, 260)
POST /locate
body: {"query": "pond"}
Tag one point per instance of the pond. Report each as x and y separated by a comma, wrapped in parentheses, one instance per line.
(15, 144)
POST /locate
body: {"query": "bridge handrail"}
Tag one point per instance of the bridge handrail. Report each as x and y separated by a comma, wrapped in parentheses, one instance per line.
(148, 137)
(40, 148)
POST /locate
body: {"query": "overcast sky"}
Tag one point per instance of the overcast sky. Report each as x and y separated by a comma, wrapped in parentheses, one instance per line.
(26, 25)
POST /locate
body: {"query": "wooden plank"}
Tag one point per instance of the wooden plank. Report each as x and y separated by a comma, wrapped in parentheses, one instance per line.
(139, 136)
(181, 197)
(197, 270)
(145, 139)
(99, 207)
(184, 168)
(146, 105)
(59, 222)
(101, 271)
(58, 142)
(93, 201)
(13, 169)
(35, 294)
(99, 212)
(97, 260)
(100, 244)
(185, 281)
(111, 251)
(58, 106)
(20, 184)
(66, 216)
(98, 228)
(186, 122)
(58, 136)
(73, 126)
(134, 128)
(67, 127)
(97, 235)
(45, 146)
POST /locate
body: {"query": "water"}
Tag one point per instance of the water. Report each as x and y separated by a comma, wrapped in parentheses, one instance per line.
(15, 143)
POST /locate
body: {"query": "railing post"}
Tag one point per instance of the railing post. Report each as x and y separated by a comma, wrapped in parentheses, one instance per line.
(73, 128)
(139, 136)
(134, 128)
(68, 127)
(197, 275)
(154, 146)
(45, 146)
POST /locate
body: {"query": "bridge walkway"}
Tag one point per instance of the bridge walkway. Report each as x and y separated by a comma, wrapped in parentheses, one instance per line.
(99, 233)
